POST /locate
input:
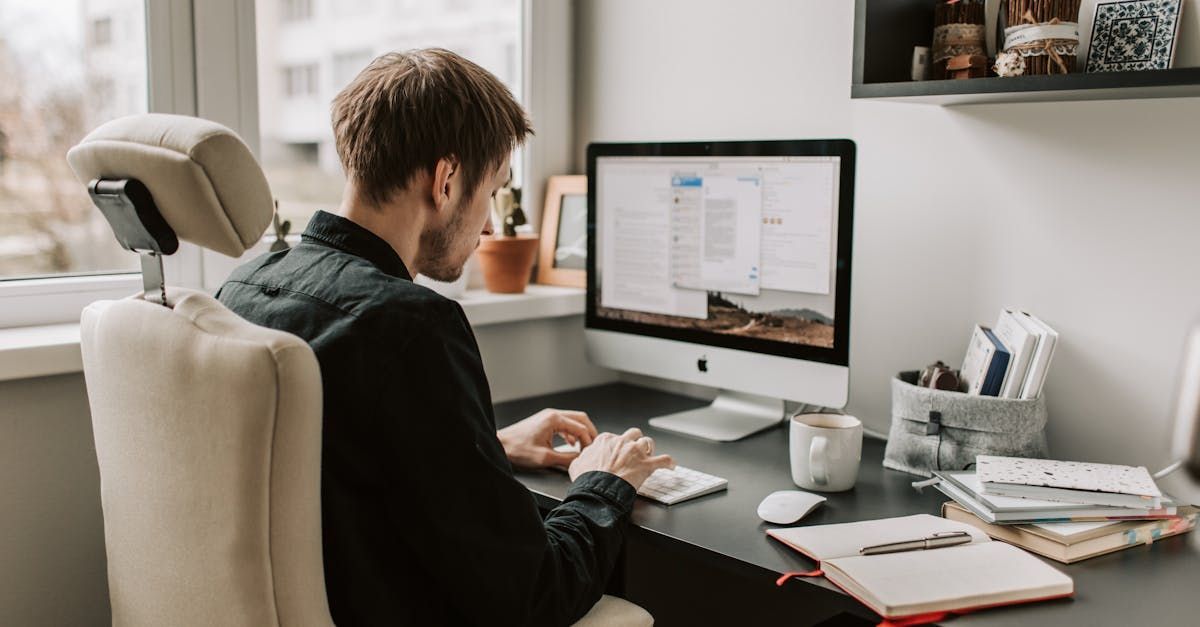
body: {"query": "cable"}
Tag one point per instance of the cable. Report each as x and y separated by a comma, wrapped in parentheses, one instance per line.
(1169, 469)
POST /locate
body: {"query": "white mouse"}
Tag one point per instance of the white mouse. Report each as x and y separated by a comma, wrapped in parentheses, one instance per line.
(788, 506)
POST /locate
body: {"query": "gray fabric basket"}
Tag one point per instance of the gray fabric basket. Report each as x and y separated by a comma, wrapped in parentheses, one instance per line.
(939, 430)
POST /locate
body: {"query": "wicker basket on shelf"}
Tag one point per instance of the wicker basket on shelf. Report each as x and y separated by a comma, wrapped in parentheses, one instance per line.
(957, 31)
(1043, 33)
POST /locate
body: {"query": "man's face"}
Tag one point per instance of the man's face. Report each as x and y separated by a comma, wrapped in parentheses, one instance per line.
(446, 247)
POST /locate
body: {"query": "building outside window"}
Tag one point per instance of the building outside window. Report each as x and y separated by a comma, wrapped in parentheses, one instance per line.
(64, 72)
(297, 150)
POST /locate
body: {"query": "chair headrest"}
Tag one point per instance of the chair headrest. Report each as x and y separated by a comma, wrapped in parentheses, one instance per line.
(205, 181)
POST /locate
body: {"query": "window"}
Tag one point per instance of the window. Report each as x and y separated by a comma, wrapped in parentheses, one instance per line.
(102, 31)
(297, 10)
(64, 73)
(300, 81)
(296, 149)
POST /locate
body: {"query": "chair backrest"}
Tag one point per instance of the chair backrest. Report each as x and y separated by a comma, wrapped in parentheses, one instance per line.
(207, 427)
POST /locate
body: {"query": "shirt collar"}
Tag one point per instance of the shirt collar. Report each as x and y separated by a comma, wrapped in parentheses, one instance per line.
(345, 235)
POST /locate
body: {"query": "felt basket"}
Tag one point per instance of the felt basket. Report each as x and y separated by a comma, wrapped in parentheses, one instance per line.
(941, 430)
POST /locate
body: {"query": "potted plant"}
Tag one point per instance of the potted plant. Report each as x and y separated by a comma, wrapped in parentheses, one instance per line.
(506, 257)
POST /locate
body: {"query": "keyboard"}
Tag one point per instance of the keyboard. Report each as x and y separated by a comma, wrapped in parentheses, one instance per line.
(675, 486)
(671, 486)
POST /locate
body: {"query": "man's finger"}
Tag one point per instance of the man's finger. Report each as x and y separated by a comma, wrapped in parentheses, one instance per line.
(646, 443)
(560, 460)
(660, 461)
(569, 426)
(631, 434)
(583, 418)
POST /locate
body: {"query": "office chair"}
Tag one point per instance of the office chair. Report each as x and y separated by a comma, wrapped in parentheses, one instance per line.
(207, 427)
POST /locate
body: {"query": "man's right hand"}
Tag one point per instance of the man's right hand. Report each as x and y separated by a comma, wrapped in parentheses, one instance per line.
(629, 456)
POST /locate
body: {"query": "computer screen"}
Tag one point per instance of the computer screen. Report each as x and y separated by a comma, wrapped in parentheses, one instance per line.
(734, 250)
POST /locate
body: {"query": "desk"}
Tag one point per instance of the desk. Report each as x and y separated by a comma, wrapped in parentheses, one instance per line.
(709, 560)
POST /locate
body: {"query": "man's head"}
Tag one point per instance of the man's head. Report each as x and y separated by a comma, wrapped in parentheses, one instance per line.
(436, 129)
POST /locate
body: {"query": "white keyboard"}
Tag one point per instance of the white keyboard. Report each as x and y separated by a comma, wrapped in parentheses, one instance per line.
(674, 486)
(671, 486)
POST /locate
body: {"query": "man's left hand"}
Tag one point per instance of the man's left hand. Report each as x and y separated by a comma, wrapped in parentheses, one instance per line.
(530, 443)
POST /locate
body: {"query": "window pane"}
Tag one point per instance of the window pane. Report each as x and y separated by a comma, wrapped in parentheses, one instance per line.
(308, 51)
(65, 67)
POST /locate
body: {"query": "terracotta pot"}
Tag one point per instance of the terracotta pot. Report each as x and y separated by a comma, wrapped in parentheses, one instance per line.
(507, 262)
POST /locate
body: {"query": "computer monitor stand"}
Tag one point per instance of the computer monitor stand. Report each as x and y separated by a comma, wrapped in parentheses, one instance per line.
(731, 416)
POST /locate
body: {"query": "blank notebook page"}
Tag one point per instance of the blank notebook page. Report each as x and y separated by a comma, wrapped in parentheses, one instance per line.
(972, 575)
(823, 542)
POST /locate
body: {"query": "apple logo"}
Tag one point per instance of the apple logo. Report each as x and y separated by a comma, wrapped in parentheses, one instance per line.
(702, 364)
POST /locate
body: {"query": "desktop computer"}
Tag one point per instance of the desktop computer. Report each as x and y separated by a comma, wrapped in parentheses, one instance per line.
(724, 264)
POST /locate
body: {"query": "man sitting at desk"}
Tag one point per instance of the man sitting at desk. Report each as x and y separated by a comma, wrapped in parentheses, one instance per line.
(423, 521)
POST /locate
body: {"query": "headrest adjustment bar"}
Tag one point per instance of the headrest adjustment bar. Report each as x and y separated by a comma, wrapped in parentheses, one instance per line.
(154, 283)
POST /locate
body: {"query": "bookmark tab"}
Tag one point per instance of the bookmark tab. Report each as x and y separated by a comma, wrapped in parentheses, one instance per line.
(808, 573)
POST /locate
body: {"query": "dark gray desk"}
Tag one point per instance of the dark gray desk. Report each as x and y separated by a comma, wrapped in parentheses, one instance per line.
(710, 557)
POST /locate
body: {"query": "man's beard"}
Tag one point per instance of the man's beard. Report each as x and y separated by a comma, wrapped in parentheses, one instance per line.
(437, 245)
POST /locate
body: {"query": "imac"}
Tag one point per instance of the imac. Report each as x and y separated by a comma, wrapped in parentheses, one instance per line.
(1186, 437)
(724, 264)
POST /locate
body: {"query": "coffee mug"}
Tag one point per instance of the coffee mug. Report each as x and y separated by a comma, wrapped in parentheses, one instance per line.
(825, 451)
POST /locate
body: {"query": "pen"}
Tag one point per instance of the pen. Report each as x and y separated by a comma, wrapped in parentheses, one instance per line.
(935, 541)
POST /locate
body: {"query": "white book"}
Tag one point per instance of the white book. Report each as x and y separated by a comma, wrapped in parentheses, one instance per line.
(1040, 363)
(1072, 482)
(979, 574)
(975, 366)
(1021, 342)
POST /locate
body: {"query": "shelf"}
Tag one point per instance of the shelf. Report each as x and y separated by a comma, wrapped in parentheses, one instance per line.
(885, 32)
(1181, 82)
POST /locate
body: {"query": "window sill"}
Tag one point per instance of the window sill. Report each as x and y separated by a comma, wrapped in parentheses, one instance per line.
(42, 351)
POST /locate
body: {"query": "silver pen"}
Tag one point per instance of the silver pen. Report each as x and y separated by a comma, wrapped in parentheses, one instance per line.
(935, 541)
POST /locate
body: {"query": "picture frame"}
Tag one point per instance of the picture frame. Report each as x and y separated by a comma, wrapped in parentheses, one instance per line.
(563, 256)
(1134, 35)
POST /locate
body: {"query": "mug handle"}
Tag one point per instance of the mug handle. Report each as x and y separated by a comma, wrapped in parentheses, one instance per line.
(818, 468)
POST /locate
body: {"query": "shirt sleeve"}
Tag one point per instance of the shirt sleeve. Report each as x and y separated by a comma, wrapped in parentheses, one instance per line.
(475, 528)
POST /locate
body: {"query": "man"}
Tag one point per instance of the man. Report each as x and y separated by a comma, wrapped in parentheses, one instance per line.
(423, 521)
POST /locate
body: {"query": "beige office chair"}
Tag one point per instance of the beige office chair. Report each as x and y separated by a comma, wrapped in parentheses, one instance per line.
(207, 427)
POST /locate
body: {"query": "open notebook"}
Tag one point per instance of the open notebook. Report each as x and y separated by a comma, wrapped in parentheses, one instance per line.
(953, 579)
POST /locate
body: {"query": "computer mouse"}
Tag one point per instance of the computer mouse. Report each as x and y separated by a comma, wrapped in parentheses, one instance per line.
(788, 506)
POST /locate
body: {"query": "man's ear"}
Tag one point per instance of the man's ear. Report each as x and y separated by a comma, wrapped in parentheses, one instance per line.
(444, 172)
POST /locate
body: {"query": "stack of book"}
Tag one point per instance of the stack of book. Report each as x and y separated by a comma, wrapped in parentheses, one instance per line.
(1067, 511)
(1009, 360)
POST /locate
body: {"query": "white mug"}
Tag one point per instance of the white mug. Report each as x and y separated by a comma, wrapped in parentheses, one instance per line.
(825, 451)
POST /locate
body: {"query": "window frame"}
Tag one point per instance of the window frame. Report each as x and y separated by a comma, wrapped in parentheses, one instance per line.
(170, 81)
(201, 60)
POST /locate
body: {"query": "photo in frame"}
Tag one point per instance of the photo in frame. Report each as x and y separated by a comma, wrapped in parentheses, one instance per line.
(563, 257)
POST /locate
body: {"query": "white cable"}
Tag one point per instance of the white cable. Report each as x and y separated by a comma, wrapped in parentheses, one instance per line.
(1168, 470)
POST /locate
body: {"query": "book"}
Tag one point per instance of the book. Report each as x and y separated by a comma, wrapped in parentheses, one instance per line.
(1073, 482)
(1072, 542)
(998, 369)
(961, 578)
(964, 487)
(1021, 341)
(1039, 363)
(985, 364)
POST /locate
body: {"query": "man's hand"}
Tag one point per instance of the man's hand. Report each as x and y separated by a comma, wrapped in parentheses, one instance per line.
(530, 443)
(629, 456)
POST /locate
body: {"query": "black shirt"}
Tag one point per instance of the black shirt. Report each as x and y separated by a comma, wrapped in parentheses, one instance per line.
(422, 519)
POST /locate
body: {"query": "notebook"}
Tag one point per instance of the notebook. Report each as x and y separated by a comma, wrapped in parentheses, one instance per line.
(965, 488)
(1076, 541)
(971, 576)
(1072, 482)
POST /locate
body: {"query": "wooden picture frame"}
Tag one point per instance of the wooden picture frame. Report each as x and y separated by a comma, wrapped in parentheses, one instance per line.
(564, 217)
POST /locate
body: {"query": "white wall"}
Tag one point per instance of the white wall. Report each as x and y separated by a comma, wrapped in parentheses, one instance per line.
(1081, 212)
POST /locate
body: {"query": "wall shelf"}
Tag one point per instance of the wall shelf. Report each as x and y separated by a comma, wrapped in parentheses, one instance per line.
(885, 32)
